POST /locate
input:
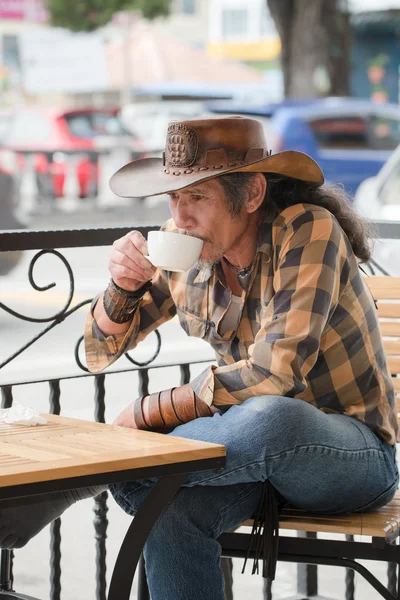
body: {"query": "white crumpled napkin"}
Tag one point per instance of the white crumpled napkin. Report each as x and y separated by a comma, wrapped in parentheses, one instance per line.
(21, 415)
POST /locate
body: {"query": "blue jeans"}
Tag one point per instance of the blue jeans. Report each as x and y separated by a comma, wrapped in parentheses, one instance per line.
(321, 462)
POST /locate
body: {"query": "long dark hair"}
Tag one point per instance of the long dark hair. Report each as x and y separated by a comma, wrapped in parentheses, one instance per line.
(283, 192)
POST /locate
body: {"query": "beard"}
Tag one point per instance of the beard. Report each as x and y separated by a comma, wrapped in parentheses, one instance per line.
(211, 254)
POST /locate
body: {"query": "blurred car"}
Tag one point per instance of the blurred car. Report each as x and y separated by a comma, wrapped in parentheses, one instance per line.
(51, 135)
(150, 119)
(351, 139)
(378, 198)
(8, 209)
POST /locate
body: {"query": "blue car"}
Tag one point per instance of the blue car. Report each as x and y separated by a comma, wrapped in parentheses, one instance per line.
(351, 139)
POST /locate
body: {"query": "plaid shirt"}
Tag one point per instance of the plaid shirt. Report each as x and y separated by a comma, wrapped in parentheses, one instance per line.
(308, 327)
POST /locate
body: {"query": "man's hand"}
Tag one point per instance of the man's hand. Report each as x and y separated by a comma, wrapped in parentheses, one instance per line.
(127, 263)
(126, 418)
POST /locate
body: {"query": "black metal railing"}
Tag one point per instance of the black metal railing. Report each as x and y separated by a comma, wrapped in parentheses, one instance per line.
(100, 503)
(51, 242)
(45, 243)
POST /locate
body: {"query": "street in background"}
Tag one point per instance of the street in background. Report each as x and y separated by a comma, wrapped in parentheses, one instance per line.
(350, 139)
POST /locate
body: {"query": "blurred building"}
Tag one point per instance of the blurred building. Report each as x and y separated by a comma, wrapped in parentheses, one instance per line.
(16, 17)
(188, 22)
(243, 31)
(376, 55)
(166, 66)
(356, 6)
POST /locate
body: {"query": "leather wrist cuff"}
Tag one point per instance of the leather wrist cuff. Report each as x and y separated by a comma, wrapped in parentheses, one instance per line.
(119, 305)
(138, 414)
(170, 408)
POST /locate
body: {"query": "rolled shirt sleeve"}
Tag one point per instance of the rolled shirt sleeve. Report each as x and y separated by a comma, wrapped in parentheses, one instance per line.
(155, 308)
(310, 256)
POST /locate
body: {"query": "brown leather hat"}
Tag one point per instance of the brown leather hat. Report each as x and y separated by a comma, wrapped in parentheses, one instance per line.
(201, 149)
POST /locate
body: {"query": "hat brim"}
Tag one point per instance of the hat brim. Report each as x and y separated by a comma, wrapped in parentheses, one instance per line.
(146, 177)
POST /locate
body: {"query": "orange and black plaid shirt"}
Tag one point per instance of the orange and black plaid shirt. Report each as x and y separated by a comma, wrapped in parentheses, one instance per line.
(308, 327)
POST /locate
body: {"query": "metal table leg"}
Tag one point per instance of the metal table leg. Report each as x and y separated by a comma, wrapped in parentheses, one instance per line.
(5, 570)
(6, 592)
(132, 546)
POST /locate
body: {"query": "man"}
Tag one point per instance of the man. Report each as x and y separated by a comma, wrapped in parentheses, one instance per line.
(301, 396)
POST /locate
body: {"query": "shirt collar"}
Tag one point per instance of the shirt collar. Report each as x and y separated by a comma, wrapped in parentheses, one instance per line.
(264, 246)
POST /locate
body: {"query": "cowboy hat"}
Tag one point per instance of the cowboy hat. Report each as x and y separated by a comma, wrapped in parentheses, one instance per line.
(202, 149)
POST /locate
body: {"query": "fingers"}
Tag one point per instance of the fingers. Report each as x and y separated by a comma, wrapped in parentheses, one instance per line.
(126, 267)
(127, 262)
(138, 241)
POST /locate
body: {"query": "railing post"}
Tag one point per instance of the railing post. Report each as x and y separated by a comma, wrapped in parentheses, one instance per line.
(267, 589)
(54, 399)
(349, 579)
(227, 569)
(55, 560)
(100, 507)
(143, 589)
(99, 398)
(185, 374)
(6, 396)
(143, 382)
(392, 578)
(100, 522)
(6, 556)
(55, 527)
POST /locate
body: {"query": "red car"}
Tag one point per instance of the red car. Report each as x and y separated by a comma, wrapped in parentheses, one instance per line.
(51, 135)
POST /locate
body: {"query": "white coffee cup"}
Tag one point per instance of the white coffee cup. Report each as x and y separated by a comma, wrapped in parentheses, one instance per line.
(173, 251)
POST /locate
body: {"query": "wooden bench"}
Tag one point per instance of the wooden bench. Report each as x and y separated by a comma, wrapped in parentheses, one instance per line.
(382, 526)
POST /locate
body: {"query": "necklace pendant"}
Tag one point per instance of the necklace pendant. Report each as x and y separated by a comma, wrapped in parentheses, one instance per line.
(244, 278)
(243, 275)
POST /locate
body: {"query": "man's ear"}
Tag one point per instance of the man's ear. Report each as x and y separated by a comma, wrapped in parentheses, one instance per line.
(257, 191)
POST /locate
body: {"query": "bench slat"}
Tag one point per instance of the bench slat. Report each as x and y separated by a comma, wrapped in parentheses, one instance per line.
(394, 365)
(392, 347)
(396, 384)
(384, 288)
(390, 328)
(388, 310)
(380, 523)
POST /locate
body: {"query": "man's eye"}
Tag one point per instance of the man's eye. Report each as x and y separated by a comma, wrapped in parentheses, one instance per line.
(197, 197)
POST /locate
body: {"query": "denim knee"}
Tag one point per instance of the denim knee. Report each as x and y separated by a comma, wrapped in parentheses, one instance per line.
(277, 414)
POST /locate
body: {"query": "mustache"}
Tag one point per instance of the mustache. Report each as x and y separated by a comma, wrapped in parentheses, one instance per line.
(200, 237)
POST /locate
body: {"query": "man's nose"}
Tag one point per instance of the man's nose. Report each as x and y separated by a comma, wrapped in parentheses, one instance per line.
(182, 217)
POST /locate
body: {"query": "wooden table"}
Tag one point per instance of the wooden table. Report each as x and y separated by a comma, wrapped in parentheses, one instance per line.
(71, 453)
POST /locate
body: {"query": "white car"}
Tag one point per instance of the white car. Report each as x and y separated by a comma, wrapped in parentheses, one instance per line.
(378, 198)
(150, 119)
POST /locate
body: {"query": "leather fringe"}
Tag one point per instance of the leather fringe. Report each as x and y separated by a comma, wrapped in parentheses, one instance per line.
(264, 538)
